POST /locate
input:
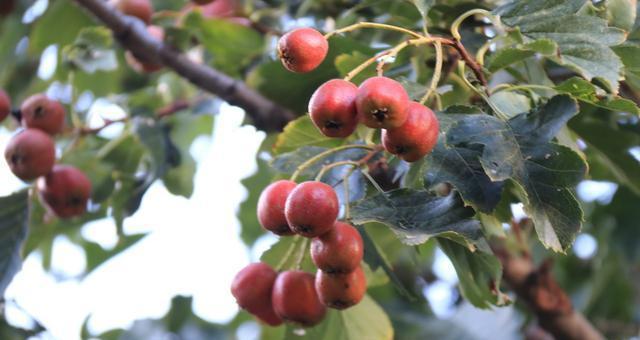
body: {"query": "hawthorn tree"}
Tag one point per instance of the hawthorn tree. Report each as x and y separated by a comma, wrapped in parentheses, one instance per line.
(531, 98)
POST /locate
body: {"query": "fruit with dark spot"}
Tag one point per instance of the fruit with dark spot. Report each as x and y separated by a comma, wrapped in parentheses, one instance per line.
(338, 251)
(5, 105)
(30, 154)
(271, 207)
(252, 289)
(41, 112)
(312, 208)
(141, 9)
(144, 66)
(333, 108)
(382, 103)
(295, 298)
(341, 291)
(416, 137)
(302, 50)
(65, 191)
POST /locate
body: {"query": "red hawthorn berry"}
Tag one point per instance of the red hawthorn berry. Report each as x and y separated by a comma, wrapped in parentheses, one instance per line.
(295, 298)
(41, 112)
(5, 105)
(65, 191)
(416, 137)
(333, 108)
(271, 206)
(382, 103)
(302, 50)
(141, 9)
(312, 208)
(30, 154)
(341, 291)
(252, 288)
(340, 250)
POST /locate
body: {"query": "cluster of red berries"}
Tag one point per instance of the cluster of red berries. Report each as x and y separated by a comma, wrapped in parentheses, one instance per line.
(31, 155)
(309, 209)
(409, 129)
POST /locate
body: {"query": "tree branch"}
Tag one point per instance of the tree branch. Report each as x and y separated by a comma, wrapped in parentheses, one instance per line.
(132, 35)
(540, 291)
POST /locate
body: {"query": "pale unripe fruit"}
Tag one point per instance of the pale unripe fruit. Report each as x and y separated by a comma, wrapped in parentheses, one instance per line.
(30, 154)
(302, 50)
(65, 191)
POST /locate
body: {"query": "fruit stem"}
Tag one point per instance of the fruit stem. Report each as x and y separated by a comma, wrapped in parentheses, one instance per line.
(333, 165)
(373, 181)
(286, 256)
(326, 153)
(455, 26)
(75, 119)
(301, 252)
(510, 87)
(345, 180)
(437, 73)
(484, 96)
(372, 25)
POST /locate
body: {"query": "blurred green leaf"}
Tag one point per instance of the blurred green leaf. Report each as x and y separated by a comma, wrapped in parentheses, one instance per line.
(511, 55)
(14, 218)
(302, 132)
(92, 51)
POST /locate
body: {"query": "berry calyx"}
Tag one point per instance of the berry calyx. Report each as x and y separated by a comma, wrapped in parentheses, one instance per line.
(5, 105)
(341, 291)
(295, 298)
(333, 108)
(145, 67)
(65, 191)
(252, 288)
(30, 154)
(311, 209)
(302, 50)
(416, 137)
(271, 206)
(382, 103)
(141, 9)
(41, 112)
(340, 250)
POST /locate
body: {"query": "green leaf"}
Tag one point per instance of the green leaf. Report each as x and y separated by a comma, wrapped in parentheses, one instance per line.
(365, 320)
(183, 130)
(416, 216)
(628, 53)
(14, 219)
(349, 61)
(479, 273)
(302, 132)
(622, 13)
(48, 29)
(521, 149)
(96, 255)
(586, 92)
(232, 46)
(286, 249)
(584, 41)
(510, 103)
(511, 55)
(609, 145)
(92, 51)
(423, 7)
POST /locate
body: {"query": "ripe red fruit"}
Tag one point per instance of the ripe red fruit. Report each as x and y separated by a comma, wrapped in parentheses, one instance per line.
(295, 298)
(271, 207)
(311, 209)
(302, 49)
(338, 251)
(382, 103)
(333, 108)
(65, 191)
(341, 291)
(252, 289)
(416, 137)
(141, 9)
(145, 67)
(40, 112)
(30, 154)
(5, 105)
